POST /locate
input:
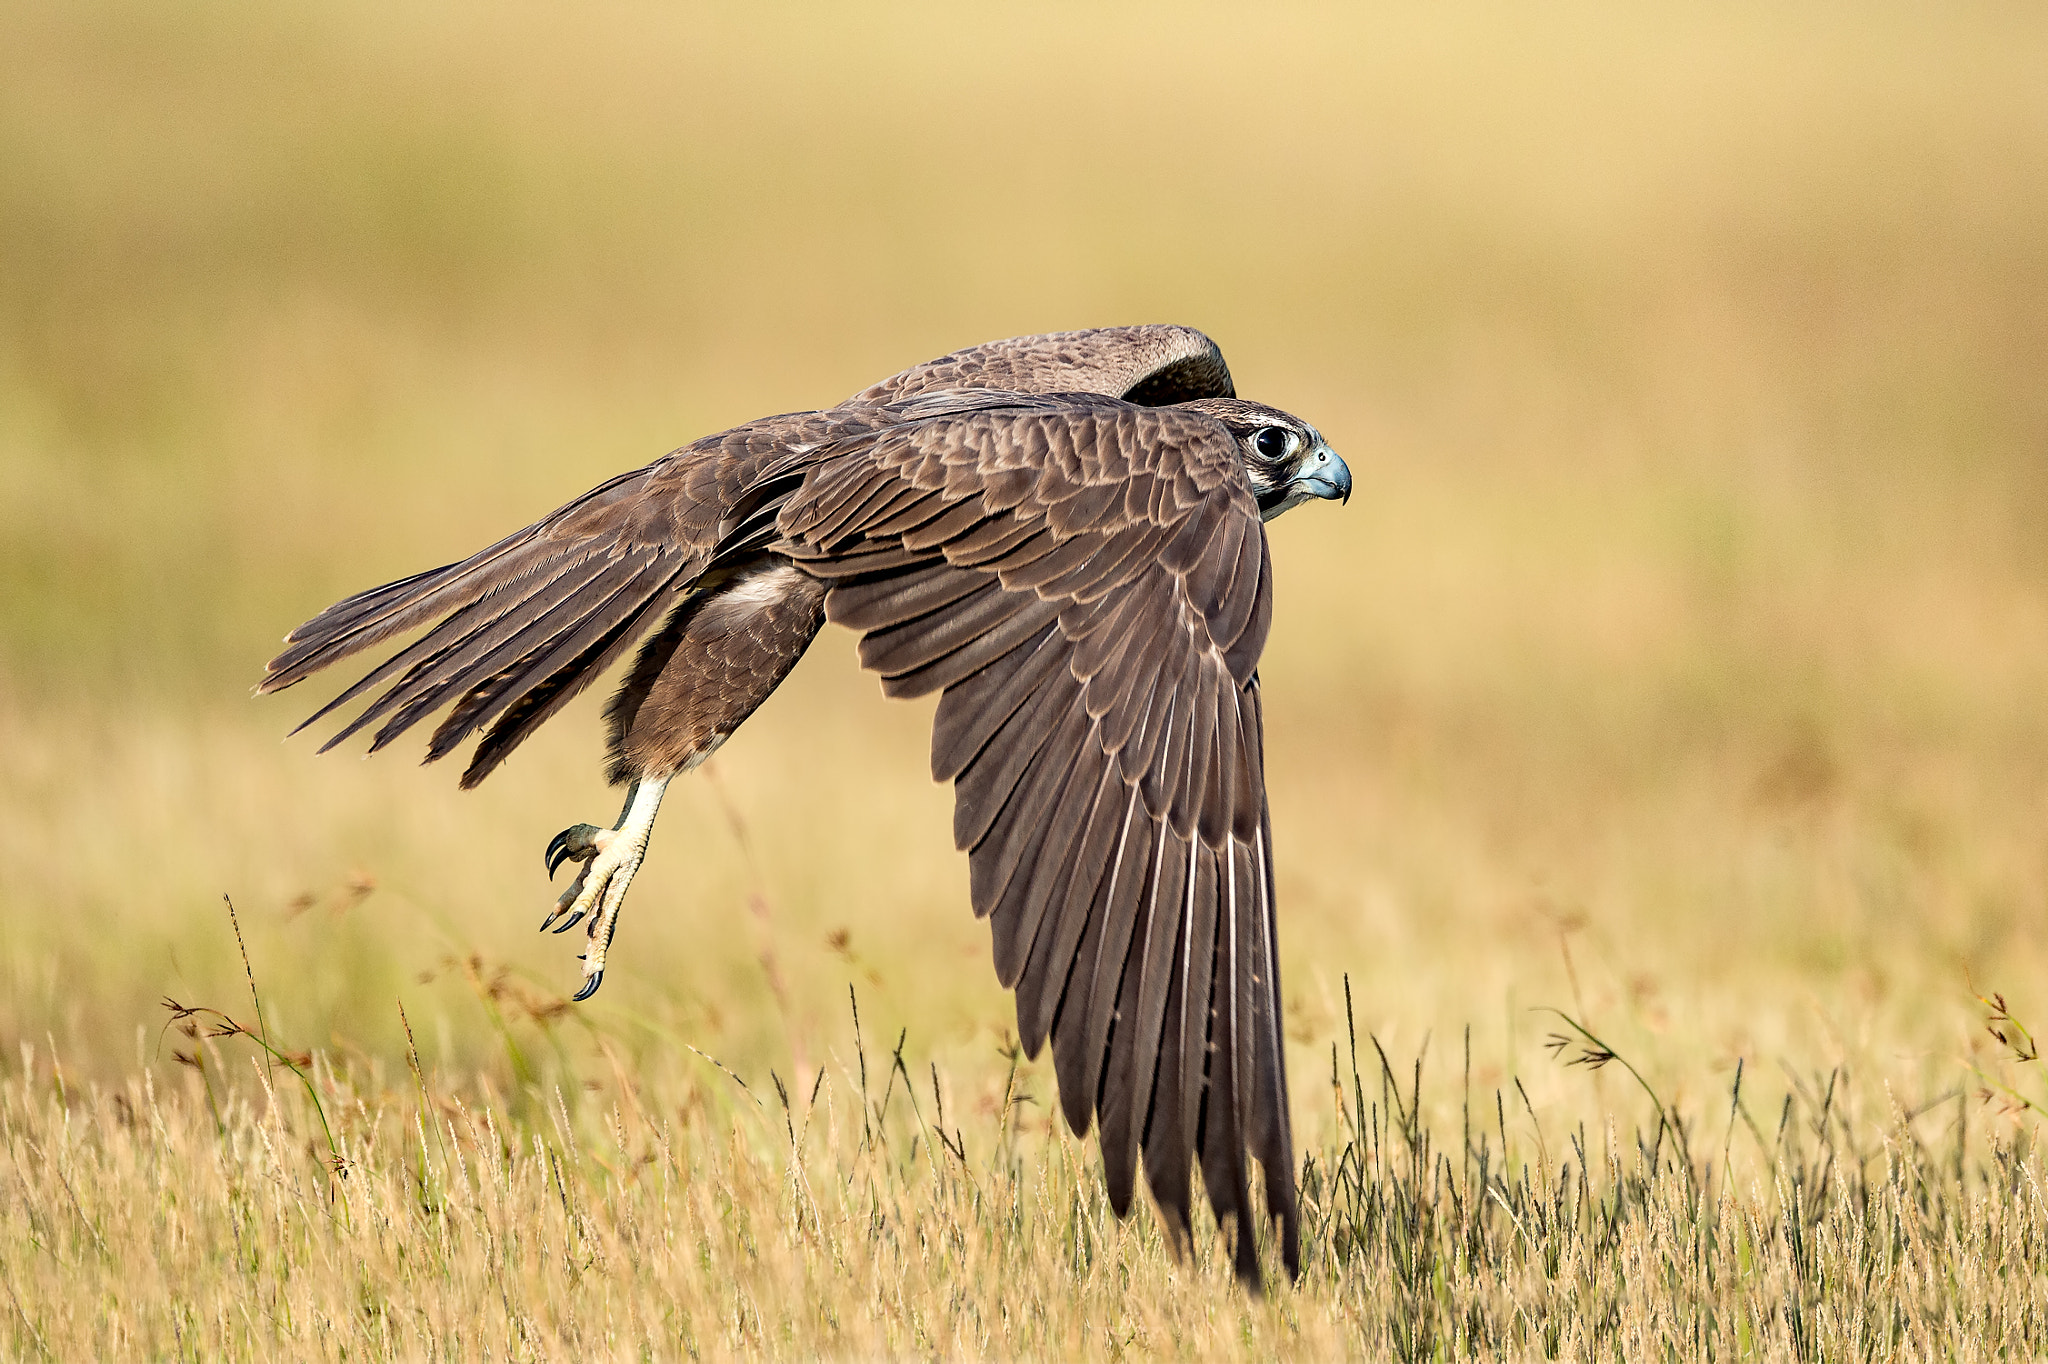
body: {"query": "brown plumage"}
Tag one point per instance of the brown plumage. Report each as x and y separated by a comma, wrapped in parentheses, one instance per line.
(1062, 536)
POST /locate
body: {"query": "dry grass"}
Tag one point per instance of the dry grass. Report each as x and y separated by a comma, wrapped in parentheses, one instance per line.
(360, 1216)
(1679, 666)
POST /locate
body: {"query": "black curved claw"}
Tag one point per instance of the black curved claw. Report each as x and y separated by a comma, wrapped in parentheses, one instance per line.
(557, 853)
(569, 922)
(589, 988)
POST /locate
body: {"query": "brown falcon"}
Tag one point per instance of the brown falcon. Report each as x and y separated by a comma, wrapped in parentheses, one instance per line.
(1059, 534)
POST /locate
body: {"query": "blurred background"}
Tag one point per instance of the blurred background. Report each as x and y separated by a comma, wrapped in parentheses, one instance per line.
(1680, 661)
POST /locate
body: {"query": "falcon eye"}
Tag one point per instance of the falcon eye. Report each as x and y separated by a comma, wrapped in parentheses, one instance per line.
(1271, 442)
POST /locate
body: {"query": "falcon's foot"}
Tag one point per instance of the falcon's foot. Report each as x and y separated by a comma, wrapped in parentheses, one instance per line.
(610, 857)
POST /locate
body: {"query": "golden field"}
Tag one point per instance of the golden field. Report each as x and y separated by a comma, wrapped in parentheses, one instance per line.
(1681, 664)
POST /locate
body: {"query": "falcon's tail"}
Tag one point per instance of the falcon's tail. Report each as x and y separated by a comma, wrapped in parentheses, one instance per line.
(523, 626)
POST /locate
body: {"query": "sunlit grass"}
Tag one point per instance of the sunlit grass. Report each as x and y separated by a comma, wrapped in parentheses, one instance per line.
(326, 1208)
(1678, 665)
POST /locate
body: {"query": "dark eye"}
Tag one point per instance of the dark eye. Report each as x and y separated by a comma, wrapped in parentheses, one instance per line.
(1271, 442)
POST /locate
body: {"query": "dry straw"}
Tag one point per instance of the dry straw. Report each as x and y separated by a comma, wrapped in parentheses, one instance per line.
(226, 1218)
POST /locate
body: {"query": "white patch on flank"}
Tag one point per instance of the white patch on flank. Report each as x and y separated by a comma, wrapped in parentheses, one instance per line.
(696, 760)
(760, 588)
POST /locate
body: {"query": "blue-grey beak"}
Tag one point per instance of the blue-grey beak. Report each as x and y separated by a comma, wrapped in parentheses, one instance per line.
(1323, 473)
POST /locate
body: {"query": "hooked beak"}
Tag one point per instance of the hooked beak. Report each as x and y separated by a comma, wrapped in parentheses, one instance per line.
(1323, 473)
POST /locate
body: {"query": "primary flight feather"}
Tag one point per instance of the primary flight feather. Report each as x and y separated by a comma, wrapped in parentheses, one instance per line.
(1063, 536)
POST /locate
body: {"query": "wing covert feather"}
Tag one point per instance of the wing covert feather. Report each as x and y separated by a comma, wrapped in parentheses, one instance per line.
(1147, 365)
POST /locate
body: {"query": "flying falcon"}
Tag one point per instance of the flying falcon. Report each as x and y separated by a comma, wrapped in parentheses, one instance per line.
(1059, 534)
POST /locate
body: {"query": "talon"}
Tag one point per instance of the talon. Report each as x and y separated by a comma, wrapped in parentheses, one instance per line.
(579, 841)
(566, 901)
(610, 857)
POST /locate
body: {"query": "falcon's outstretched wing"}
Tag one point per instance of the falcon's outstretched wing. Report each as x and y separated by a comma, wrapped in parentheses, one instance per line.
(1087, 583)
(1151, 366)
(521, 627)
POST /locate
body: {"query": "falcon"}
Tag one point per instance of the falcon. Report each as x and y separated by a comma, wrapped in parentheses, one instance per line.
(1060, 535)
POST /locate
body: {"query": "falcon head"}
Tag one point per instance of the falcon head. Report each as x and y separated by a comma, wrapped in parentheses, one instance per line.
(1285, 459)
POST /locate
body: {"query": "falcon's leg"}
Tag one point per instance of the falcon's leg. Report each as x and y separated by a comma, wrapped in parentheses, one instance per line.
(696, 680)
(610, 857)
